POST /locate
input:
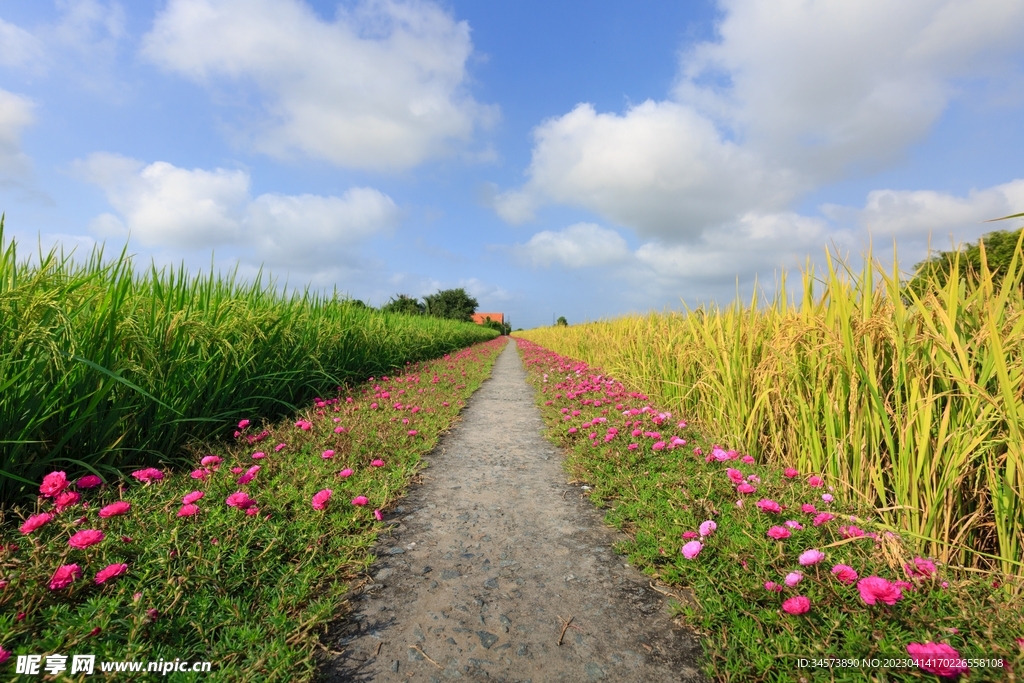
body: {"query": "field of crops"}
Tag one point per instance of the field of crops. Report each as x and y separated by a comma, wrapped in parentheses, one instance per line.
(913, 404)
(103, 367)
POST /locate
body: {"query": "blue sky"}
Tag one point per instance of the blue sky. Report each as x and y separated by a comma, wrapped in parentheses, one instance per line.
(583, 159)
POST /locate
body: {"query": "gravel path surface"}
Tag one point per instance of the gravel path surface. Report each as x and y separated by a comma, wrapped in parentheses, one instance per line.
(488, 559)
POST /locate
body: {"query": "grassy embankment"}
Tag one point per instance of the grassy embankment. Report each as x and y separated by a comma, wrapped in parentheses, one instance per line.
(103, 372)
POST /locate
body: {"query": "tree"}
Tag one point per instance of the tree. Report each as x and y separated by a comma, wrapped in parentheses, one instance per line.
(562, 322)
(999, 249)
(495, 325)
(454, 304)
(403, 303)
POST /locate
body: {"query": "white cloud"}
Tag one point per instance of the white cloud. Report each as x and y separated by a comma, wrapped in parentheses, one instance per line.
(380, 87)
(18, 47)
(790, 95)
(166, 206)
(578, 246)
(15, 116)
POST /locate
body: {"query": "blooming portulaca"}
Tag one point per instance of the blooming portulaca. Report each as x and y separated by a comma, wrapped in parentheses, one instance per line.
(707, 528)
(692, 549)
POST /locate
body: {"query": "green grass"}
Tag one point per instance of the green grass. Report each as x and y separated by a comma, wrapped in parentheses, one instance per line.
(655, 496)
(251, 594)
(103, 367)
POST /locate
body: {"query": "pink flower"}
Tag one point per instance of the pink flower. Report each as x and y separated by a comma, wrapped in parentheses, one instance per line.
(796, 605)
(278, 447)
(243, 424)
(790, 473)
(115, 509)
(827, 497)
(211, 461)
(794, 525)
(259, 455)
(692, 549)
(779, 533)
(768, 505)
(377, 463)
(658, 445)
(875, 588)
(34, 522)
(110, 571)
(150, 474)
(748, 459)
(85, 538)
(707, 528)
(809, 509)
(377, 514)
(735, 475)
(248, 476)
(921, 568)
(690, 534)
(812, 556)
(345, 473)
(66, 499)
(252, 511)
(199, 474)
(240, 500)
(793, 578)
(65, 576)
(89, 481)
(823, 517)
(360, 500)
(188, 510)
(53, 483)
(745, 488)
(937, 658)
(772, 586)
(851, 531)
(327, 455)
(815, 481)
(192, 497)
(304, 425)
(320, 499)
(4, 654)
(845, 574)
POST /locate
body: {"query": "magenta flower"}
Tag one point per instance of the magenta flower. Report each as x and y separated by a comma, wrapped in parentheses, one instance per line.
(240, 500)
(192, 497)
(690, 534)
(252, 511)
(937, 658)
(823, 518)
(845, 574)
(278, 447)
(749, 459)
(188, 510)
(377, 463)
(243, 424)
(810, 557)
(148, 475)
(304, 425)
(320, 499)
(259, 455)
(34, 522)
(109, 572)
(4, 654)
(796, 605)
(89, 481)
(65, 576)
(745, 488)
(85, 538)
(327, 455)
(874, 589)
(793, 578)
(199, 474)
(772, 586)
(360, 501)
(851, 531)
(115, 509)
(53, 483)
(248, 476)
(790, 473)
(815, 481)
(692, 549)
(794, 525)
(707, 528)
(809, 509)
(377, 514)
(345, 473)
(827, 497)
(768, 505)
(734, 475)
(211, 461)
(66, 499)
(658, 445)
(779, 533)
(921, 569)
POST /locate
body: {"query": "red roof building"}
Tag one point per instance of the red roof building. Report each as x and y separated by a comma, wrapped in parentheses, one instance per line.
(481, 318)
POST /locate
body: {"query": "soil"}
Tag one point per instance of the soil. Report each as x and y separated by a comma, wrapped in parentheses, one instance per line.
(486, 562)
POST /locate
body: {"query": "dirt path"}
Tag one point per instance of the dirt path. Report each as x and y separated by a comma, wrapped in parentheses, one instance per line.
(489, 558)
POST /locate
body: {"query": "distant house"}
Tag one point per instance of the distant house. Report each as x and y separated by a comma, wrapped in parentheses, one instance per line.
(481, 318)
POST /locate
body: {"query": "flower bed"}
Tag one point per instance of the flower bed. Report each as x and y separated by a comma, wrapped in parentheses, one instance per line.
(243, 560)
(789, 579)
